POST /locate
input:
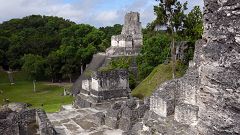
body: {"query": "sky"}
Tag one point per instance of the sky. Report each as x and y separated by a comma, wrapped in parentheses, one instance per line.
(94, 12)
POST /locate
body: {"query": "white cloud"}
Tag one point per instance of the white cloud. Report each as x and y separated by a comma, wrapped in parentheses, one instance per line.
(81, 11)
(20, 8)
(107, 16)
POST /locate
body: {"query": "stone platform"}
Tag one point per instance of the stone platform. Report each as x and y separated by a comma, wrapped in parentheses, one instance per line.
(71, 121)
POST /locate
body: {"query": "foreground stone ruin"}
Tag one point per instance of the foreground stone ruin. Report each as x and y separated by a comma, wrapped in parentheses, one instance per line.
(17, 119)
(206, 100)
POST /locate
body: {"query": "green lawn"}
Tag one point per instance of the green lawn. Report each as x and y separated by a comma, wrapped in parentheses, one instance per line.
(159, 75)
(3, 77)
(46, 96)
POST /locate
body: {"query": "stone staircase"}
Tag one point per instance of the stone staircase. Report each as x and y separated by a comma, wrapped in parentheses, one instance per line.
(98, 61)
(71, 121)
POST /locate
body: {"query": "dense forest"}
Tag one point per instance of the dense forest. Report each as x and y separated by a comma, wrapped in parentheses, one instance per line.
(58, 49)
(51, 47)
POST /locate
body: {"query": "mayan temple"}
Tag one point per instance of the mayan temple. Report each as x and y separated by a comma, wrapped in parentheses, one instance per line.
(95, 87)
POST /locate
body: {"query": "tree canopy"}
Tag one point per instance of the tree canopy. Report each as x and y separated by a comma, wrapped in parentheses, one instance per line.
(51, 47)
(172, 24)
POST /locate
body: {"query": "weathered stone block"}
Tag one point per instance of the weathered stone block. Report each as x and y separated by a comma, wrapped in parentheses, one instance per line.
(100, 118)
(111, 122)
(45, 126)
(141, 110)
(125, 124)
(137, 128)
(162, 102)
(186, 114)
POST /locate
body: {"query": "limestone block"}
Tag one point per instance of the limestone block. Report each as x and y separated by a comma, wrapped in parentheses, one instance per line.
(136, 129)
(113, 116)
(100, 118)
(131, 103)
(159, 106)
(142, 109)
(125, 124)
(162, 102)
(186, 114)
(86, 85)
(95, 84)
(111, 122)
(81, 103)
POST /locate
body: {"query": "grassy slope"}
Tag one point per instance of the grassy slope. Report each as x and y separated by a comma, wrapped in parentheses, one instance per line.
(159, 75)
(50, 96)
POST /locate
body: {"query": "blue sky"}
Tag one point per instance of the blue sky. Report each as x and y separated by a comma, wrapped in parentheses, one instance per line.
(95, 12)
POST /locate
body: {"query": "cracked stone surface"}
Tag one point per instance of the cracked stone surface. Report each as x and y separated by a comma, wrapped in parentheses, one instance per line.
(73, 121)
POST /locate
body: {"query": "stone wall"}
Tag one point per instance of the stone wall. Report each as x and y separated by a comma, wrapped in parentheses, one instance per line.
(131, 35)
(45, 126)
(24, 122)
(218, 95)
(8, 122)
(124, 115)
(186, 114)
(181, 50)
(111, 80)
(132, 24)
(103, 87)
(27, 121)
(122, 41)
(17, 123)
(162, 101)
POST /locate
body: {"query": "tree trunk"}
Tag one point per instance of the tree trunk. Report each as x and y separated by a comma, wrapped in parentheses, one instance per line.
(173, 52)
(10, 77)
(70, 78)
(81, 69)
(173, 58)
(34, 85)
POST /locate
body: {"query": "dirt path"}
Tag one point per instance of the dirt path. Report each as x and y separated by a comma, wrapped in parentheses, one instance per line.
(64, 84)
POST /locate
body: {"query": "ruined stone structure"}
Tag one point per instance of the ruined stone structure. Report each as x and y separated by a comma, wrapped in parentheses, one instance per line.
(98, 87)
(104, 86)
(17, 119)
(129, 41)
(206, 100)
(181, 50)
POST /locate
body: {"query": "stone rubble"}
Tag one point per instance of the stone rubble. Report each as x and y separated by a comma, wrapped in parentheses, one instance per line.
(17, 119)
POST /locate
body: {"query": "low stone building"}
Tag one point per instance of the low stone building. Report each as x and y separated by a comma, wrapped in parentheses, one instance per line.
(103, 87)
